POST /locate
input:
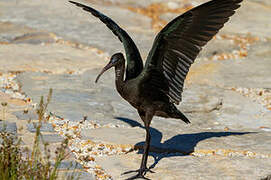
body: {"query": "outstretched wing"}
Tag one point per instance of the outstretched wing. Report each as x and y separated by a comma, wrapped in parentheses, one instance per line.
(134, 61)
(180, 41)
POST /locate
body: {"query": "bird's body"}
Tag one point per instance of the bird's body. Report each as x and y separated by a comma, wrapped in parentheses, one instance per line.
(142, 96)
(155, 89)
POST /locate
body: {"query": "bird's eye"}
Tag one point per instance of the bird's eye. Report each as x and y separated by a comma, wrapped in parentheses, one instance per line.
(114, 60)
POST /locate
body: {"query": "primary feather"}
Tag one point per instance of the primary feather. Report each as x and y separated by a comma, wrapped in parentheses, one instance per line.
(180, 41)
(175, 47)
(153, 90)
(134, 61)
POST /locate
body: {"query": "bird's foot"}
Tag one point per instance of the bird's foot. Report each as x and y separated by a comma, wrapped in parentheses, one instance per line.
(140, 173)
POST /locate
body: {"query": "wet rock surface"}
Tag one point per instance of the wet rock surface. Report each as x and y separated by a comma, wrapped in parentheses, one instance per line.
(227, 96)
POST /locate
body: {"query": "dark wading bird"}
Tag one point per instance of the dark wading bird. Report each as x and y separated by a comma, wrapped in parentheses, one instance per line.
(154, 89)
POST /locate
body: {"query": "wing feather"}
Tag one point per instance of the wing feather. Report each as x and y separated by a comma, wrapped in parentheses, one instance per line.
(180, 41)
(134, 61)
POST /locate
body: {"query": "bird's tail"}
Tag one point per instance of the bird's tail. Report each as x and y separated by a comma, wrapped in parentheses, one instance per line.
(178, 114)
(183, 117)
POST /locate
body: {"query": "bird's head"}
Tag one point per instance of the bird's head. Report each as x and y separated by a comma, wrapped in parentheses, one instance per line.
(115, 60)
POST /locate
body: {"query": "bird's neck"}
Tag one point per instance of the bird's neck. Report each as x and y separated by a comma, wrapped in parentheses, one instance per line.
(119, 71)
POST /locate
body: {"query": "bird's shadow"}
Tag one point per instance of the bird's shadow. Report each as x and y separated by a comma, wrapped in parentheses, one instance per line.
(182, 143)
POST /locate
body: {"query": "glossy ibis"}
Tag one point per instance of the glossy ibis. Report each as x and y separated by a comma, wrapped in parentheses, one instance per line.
(154, 89)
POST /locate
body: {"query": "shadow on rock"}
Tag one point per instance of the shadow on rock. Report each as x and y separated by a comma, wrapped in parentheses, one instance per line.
(179, 145)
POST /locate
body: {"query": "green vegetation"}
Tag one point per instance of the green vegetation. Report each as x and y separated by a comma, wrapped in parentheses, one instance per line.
(18, 162)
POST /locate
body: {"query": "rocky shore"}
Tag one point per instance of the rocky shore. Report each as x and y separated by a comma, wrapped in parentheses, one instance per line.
(227, 95)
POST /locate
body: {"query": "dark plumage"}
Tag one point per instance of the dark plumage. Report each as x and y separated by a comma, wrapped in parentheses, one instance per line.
(154, 90)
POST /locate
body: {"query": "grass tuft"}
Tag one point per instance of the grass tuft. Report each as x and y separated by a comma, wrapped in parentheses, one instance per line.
(19, 162)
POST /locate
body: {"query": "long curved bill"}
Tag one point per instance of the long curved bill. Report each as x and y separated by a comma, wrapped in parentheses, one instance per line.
(108, 66)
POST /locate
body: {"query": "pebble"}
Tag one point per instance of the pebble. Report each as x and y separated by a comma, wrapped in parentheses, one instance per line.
(243, 41)
(229, 153)
(173, 5)
(86, 151)
(259, 95)
(9, 85)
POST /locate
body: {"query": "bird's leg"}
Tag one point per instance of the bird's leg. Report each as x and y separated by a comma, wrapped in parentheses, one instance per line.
(143, 166)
